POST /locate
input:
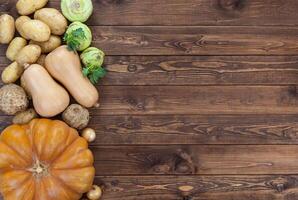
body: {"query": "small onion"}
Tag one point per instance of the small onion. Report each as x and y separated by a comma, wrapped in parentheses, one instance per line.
(93, 57)
(95, 193)
(77, 10)
(89, 134)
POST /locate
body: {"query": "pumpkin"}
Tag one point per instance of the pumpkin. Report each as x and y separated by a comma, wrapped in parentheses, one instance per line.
(44, 160)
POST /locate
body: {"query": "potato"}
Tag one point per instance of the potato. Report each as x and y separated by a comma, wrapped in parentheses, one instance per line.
(13, 99)
(19, 25)
(12, 73)
(41, 60)
(15, 47)
(28, 55)
(27, 7)
(53, 18)
(76, 116)
(50, 45)
(36, 30)
(7, 28)
(24, 117)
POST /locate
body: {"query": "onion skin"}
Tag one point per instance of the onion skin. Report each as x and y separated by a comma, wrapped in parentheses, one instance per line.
(77, 10)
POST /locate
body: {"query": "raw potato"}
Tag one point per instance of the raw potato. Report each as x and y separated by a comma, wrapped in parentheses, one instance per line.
(50, 45)
(27, 7)
(7, 28)
(13, 99)
(15, 47)
(28, 55)
(25, 117)
(19, 25)
(76, 116)
(36, 30)
(53, 18)
(12, 73)
(41, 59)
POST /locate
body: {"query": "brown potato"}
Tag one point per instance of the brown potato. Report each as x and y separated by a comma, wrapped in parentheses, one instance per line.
(27, 7)
(53, 18)
(12, 73)
(41, 59)
(28, 55)
(36, 30)
(24, 117)
(15, 47)
(7, 28)
(19, 25)
(50, 45)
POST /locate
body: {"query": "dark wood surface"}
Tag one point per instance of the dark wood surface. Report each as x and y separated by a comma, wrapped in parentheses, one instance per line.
(200, 102)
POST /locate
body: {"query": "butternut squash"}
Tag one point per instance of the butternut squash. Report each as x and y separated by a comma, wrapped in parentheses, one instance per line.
(65, 66)
(49, 98)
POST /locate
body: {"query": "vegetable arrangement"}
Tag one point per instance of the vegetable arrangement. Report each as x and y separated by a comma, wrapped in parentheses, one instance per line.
(49, 72)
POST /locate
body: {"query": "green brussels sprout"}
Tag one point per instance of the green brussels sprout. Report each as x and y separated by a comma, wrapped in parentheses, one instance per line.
(78, 36)
(77, 10)
(93, 58)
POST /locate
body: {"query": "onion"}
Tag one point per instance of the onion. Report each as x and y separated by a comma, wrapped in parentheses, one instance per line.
(77, 10)
(95, 193)
(89, 134)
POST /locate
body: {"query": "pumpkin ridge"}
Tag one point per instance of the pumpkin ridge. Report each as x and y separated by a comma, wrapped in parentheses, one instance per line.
(21, 158)
(30, 177)
(58, 156)
(63, 183)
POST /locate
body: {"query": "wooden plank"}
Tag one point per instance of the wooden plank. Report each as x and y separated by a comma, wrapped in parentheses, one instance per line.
(201, 70)
(196, 159)
(185, 12)
(181, 40)
(125, 100)
(198, 70)
(191, 129)
(195, 129)
(199, 187)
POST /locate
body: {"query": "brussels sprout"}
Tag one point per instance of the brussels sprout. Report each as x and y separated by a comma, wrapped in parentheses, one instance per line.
(78, 36)
(77, 10)
(93, 58)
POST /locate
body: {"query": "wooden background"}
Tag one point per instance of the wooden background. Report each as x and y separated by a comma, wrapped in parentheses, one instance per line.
(200, 102)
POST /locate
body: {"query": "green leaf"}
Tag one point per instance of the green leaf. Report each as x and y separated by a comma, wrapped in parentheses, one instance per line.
(86, 71)
(73, 38)
(97, 74)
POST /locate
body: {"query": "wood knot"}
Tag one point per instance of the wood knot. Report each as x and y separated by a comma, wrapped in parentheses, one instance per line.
(280, 184)
(132, 68)
(231, 4)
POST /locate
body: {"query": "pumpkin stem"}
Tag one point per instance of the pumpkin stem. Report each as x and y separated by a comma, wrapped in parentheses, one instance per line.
(38, 169)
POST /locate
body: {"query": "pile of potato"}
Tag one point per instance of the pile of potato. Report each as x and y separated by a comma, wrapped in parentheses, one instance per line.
(38, 36)
(35, 38)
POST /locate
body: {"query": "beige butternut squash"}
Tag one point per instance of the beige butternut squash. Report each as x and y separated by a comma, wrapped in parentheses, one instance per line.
(49, 98)
(65, 66)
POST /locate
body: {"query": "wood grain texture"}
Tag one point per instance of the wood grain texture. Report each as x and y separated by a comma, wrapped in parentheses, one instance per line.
(125, 100)
(198, 70)
(201, 70)
(272, 187)
(185, 12)
(195, 129)
(181, 40)
(197, 40)
(196, 159)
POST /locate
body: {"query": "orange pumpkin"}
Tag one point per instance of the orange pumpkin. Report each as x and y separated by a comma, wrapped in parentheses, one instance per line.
(44, 160)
